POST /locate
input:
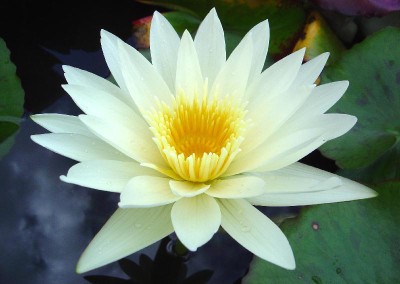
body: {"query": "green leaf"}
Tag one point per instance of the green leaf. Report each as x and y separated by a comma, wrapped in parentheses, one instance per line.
(349, 242)
(373, 69)
(11, 99)
(286, 18)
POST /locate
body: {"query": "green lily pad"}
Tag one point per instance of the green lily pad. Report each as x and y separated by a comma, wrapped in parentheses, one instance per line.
(373, 69)
(11, 99)
(349, 242)
(286, 18)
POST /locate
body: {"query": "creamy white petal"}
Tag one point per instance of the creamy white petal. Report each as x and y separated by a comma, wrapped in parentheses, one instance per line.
(136, 145)
(105, 175)
(109, 44)
(189, 79)
(299, 184)
(237, 187)
(164, 44)
(270, 113)
(144, 83)
(187, 188)
(290, 144)
(260, 37)
(126, 232)
(147, 191)
(254, 231)
(196, 220)
(61, 123)
(76, 76)
(210, 46)
(322, 98)
(78, 147)
(310, 70)
(102, 104)
(233, 77)
(277, 78)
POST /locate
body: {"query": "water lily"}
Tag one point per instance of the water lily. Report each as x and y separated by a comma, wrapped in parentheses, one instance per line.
(193, 140)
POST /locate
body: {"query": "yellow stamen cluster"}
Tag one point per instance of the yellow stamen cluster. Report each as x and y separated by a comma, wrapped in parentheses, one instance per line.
(200, 137)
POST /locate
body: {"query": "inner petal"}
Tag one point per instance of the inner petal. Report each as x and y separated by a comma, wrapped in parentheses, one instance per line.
(198, 138)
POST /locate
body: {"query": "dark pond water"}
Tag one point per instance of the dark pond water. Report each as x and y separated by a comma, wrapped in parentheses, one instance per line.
(45, 224)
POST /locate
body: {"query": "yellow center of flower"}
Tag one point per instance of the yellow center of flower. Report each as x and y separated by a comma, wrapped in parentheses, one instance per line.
(199, 137)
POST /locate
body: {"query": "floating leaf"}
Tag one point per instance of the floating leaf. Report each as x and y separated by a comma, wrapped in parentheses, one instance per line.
(373, 69)
(286, 18)
(318, 38)
(349, 242)
(11, 99)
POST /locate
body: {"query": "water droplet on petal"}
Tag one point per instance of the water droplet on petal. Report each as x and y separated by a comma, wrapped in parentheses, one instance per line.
(245, 228)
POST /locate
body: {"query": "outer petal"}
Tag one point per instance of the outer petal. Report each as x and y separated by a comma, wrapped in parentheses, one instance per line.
(210, 46)
(126, 232)
(196, 220)
(234, 75)
(133, 143)
(102, 104)
(277, 78)
(147, 191)
(290, 144)
(143, 82)
(76, 76)
(188, 74)
(300, 184)
(310, 70)
(164, 44)
(187, 188)
(237, 187)
(260, 37)
(105, 175)
(254, 231)
(109, 44)
(61, 123)
(78, 147)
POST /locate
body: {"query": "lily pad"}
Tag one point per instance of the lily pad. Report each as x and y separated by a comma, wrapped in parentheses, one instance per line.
(373, 69)
(349, 242)
(286, 18)
(11, 99)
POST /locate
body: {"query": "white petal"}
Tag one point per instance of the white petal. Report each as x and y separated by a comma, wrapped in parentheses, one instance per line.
(102, 104)
(237, 187)
(291, 143)
(310, 70)
(233, 77)
(144, 83)
(314, 186)
(78, 147)
(260, 37)
(187, 188)
(126, 232)
(210, 46)
(147, 191)
(277, 78)
(196, 220)
(105, 175)
(109, 44)
(61, 123)
(270, 113)
(189, 79)
(254, 231)
(164, 44)
(321, 99)
(76, 76)
(137, 145)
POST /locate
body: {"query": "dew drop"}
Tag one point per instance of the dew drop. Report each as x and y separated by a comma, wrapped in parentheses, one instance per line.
(245, 228)
(338, 270)
(138, 225)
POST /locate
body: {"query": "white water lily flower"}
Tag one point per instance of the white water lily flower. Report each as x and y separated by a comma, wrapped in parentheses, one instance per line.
(193, 140)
